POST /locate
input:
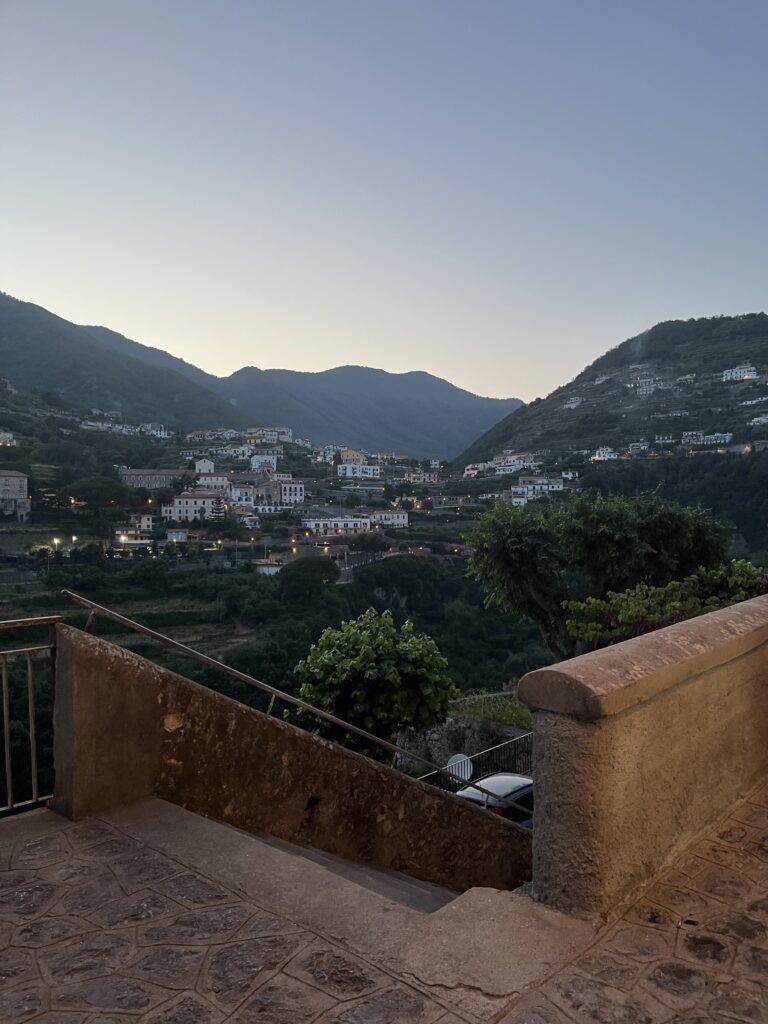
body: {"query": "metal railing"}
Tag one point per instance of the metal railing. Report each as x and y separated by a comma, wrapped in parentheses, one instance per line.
(275, 694)
(514, 756)
(25, 784)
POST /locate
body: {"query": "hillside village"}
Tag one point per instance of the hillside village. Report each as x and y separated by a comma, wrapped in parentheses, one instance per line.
(667, 405)
(251, 483)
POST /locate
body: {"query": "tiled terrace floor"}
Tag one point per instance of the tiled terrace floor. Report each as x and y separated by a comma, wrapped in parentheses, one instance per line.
(98, 926)
(693, 950)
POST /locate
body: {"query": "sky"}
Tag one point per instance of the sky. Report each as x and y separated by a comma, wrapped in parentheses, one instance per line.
(494, 191)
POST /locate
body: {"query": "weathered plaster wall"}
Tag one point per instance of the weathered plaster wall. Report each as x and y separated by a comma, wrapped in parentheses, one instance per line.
(126, 728)
(641, 746)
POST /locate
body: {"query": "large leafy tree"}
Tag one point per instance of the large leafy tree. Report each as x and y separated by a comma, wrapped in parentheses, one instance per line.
(378, 677)
(532, 560)
(598, 621)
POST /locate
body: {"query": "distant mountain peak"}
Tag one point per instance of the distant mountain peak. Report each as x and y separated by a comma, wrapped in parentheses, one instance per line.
(414, 412)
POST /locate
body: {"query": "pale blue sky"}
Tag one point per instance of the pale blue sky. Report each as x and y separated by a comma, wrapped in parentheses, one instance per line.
(492, 191)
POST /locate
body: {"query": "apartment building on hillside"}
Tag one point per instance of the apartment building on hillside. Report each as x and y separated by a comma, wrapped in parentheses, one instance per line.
(358, 470)
(14, 494)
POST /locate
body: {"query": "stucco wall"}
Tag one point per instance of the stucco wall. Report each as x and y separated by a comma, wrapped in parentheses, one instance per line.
(126, 728)
(639, 747)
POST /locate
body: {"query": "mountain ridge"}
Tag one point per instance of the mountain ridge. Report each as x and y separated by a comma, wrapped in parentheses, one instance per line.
(609, 408)
(414, 412)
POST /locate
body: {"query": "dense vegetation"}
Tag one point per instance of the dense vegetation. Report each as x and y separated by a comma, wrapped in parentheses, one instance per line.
(377, 677)
(538, 560)
(733, 486)
(264, 625)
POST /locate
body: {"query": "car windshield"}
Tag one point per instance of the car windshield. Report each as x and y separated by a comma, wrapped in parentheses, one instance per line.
(501, 785)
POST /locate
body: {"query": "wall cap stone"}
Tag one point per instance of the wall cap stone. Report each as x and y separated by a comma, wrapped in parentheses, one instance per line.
(606, 682)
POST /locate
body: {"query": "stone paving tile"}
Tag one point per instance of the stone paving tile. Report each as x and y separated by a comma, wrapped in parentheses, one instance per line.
(187, 1008)
(46, 931)
(84, 899)
(397, 1005)
(96, 928)
(16, 966)
(87, 956)
(19, 1005)
(112, 993)
(37, 853)
(336, 972)
(283, 1001)
(74, 872)
(132, 910)
(198, 926)
(139, 869)
(193, 890)
(232, 971)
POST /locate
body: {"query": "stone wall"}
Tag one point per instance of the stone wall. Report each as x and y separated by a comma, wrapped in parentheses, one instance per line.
(641, 746)
(125, 729)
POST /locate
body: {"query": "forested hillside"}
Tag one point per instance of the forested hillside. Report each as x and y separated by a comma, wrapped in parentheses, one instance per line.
(41, 350)
(415, 413)
(635, 391)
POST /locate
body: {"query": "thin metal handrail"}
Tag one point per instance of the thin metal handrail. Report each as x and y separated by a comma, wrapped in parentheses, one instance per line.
(43, 620)
(480, 753)
(204, 659)
(28, 652)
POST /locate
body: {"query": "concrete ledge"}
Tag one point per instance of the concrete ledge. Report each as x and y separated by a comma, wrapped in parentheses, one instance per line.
(126, 729)
(611, 680)
(641, 746)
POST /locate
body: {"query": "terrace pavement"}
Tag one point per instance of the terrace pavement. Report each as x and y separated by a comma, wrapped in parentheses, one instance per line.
(152, 915)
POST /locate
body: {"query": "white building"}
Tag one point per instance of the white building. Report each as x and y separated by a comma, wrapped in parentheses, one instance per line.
(572, 403)
(474, 469)
(191, 505)
(7, 440)
(263, 461)
(338, 525)
(759, 421)
(742, 372)
(394, 520)
(204, 466)
(604, 454)
(214, 481)
(14, 497)
(291, 492)
(358, 470)
(692, 437)
(242, 493)
(717, 439)
(179, 536)
(158, 430)
(418, 476)
(271, 434)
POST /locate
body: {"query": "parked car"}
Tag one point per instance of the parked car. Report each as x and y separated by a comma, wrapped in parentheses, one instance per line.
(510, 796)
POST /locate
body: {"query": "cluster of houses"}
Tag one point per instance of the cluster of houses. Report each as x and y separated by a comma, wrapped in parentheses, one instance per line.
(643, 382)
(507, 463)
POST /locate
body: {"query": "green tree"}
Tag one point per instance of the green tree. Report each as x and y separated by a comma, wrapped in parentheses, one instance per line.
(301, 581)
(532, 560)
(376, 677)
(598, 622)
